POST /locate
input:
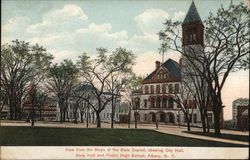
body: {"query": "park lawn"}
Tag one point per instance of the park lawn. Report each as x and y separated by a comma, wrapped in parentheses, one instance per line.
(243, 138)
(53, 136)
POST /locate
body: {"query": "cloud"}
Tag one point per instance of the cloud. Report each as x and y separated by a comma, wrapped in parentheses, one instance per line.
(59, 20)
(15, 27)
(59, 55)
(178, 15)
(83, 40)
(146, 61)
(15, 23)
(150, 21)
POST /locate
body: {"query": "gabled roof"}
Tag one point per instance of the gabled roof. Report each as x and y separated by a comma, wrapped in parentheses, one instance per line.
(172, 67)
(192, 15)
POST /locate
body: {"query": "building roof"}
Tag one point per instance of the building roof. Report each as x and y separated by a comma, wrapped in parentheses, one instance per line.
(192, 15)
(172, 67)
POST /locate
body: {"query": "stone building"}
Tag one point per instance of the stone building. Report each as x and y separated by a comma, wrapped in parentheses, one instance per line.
(240, 113)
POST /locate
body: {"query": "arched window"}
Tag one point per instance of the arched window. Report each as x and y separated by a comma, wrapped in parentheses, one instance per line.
(158, 102)
(152, 102)
(164, 102)
(145, 103)
(170, 103)
(176, 88)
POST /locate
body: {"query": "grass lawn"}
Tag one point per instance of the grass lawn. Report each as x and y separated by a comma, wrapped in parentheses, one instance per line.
(243, 138)
(52, 136)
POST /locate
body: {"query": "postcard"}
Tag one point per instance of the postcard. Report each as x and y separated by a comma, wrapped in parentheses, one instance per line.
(124, 79)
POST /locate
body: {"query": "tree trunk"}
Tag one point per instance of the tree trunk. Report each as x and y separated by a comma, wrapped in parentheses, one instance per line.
(129, 115)
(135, 119)
(87, 123)
(81, 116)
(112, 112)
(75, 116)
(61, 114)
(188, 122)
(208, 125)
(217, 122)
(98, 120)
(203, 120)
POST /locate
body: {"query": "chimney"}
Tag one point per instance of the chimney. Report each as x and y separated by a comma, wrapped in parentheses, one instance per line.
(180, 61)
(157, 64)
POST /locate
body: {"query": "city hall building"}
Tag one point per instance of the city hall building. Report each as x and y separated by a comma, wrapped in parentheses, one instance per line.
(155, 100)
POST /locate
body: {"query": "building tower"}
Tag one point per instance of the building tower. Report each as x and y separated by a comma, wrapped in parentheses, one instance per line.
(192, 28)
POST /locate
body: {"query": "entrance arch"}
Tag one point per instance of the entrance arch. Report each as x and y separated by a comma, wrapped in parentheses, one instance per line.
(152, 117)
(162, 117)
(170, 118)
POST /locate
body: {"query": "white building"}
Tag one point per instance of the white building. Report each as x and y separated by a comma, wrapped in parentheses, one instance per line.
(84, 110)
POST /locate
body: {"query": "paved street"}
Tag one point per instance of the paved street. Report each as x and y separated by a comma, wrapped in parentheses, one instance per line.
(169, 129)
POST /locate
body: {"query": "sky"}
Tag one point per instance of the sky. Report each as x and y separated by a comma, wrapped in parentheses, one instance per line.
(68, 28)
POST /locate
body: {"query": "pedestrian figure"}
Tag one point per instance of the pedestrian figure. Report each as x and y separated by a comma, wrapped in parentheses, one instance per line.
(156, 124)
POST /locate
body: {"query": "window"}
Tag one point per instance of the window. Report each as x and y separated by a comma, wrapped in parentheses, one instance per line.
(163, 88)
(152, 89)
(146, 90)
(158, 102)
(170, 88)
(145, 103)
(194, 118)
(170, 103)
(152, 102)
(137, 103)
(145, 117)
(158, 89)
(210, 117)
(176, 88)
(164, 102)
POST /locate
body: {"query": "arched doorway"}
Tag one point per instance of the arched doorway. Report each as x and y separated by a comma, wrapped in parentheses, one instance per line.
(162, 117)
(170, 117)
(153, 117)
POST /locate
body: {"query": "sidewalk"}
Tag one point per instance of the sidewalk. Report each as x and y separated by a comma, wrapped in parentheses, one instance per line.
(169, 129)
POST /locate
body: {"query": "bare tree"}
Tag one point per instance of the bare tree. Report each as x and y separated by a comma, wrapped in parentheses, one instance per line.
(226, 46)
(97, 76)
(133, 84)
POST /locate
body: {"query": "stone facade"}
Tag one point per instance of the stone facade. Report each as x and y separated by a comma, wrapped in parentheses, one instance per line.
(240, 112)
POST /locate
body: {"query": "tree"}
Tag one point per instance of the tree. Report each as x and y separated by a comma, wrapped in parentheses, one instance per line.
(226, 47)
(21, 65)
(61, 81)
(117, 80)
(97, 76)
(182, 97)
(133, 84)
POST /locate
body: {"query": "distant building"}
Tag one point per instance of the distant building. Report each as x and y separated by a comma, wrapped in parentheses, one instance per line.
(45, 111)
(84, 110)
(240, 113)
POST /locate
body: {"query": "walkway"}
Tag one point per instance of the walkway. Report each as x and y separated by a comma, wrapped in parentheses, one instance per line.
(169, 129)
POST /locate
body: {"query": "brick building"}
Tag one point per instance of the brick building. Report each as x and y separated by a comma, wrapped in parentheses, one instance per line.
(155, 99)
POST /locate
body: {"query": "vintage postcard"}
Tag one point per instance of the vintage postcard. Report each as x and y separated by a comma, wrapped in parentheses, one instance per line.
(124, 79)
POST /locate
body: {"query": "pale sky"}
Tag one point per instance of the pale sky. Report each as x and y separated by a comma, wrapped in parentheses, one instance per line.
(68, 28)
